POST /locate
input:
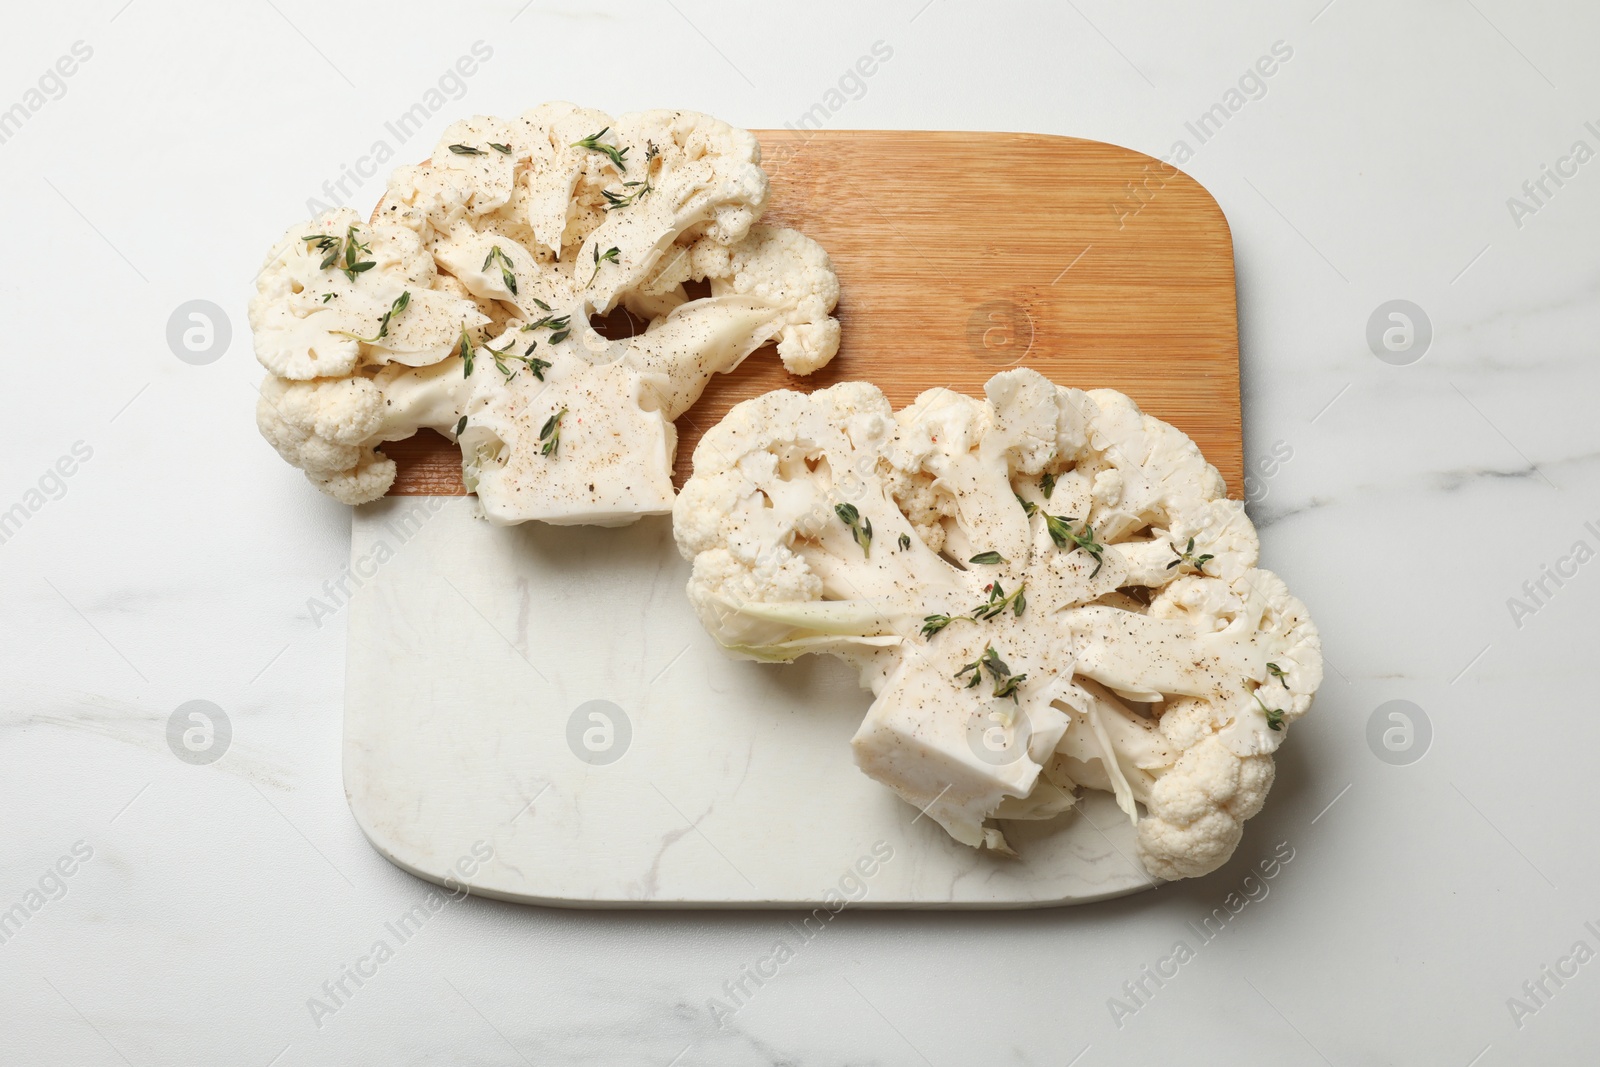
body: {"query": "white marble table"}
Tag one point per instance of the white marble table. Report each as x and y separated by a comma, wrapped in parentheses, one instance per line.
(1429, 874)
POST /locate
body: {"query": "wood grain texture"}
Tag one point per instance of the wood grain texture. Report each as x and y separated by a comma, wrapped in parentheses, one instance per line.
(962, 254)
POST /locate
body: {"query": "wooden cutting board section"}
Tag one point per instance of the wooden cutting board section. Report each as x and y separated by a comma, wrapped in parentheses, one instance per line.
(962, 254)
(536, 713)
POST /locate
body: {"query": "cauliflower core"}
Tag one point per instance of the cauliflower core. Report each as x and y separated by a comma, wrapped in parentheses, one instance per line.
(1045, 590)
(464, 306)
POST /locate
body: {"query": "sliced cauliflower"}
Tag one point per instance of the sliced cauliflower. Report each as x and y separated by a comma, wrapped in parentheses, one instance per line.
(483, 266)
(1045, 590)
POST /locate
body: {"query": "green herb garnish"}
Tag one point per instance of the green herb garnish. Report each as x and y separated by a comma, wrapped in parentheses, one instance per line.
(506, 276)
(988, 557)
(466, 150)
(352, 249)
(1277, 672)
(860, 526)
(399, 305)
(503, 149)
(905, 542)
(999, 601)
(465, 350)
(641, 189)
(1274, 715)
(1047, 485)
(1005, 683)
(1188, 556)
(461, 425)
(611, 152)
(608, 256)
(1062, 534)
(550, 434)
(536, 366)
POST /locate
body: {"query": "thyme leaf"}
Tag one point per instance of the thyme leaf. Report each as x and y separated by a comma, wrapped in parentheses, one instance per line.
(465, 350)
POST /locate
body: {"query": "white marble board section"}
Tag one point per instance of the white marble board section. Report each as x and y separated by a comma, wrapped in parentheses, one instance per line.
(476, 657)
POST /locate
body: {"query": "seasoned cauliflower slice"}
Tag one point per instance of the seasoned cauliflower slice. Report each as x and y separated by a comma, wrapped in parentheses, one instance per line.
(1045, 590)
(484, 264)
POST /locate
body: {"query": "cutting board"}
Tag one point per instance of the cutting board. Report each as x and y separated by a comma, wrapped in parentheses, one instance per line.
(535, 713)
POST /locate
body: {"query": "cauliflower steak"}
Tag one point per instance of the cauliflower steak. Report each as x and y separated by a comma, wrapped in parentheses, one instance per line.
(464, 306)
(1045, 590)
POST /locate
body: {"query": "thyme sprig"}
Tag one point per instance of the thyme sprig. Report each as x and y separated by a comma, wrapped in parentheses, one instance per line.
(1277, 672)
(503, 149)
(466, 150)
(641, 189)
(618, 156)
(1047, 485)
(988, 557)
(465, 350)
(1274, 715)
(399, 305)
(905, 542)
(1186, 555)
(999, 600)
(1062, 534)
(561, 325)
(608, 256)
(351, 248)
(1005, 683)
(859, 525)
(550, 433)
(510, 279)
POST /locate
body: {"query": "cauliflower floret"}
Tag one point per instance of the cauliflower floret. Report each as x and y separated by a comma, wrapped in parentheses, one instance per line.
(789, 272)
(490, 258)
(1007, 575)
(1198, 808)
